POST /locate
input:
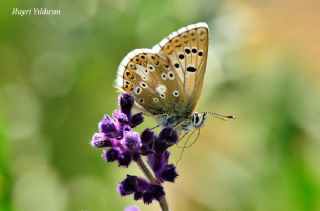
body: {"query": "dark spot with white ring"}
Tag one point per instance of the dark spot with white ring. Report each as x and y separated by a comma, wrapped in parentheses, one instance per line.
(191, 69)
(194, 50)
(164, 76)
(200, 53)
(144, 85)
(175, 93)
(181, 56)
(187, 50)
(176, 65)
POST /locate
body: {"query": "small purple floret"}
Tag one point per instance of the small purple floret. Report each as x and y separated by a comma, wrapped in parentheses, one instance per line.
(147, 136)
(136, 120)
(100, 140)
(108, 127)
(125, 159)
(111, 155)
(126, 102)
(169, 135)
(131, 141)
(120, 117)
(169, 173)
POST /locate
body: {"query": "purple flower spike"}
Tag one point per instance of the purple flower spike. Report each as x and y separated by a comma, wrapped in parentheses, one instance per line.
(136, 120)
(111, 154)
(100, 140)
(127, 146)
(108, 127)
(131, 141)
(126, 103)
(169, 173)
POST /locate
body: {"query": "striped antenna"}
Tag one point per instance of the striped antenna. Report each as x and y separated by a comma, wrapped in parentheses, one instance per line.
(220, 116)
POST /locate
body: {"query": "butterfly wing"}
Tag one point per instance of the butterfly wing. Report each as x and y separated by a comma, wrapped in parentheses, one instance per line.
(187, 50)
(167, 79)
(149, 77)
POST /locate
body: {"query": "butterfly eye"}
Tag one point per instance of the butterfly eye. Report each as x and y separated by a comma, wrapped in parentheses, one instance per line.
(195, 119)
(194, 50)
(200, 53)
(176, 65)
(150, 67)
(155, 99)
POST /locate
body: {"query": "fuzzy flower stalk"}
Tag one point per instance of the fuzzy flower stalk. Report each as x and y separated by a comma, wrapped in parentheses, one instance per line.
(124, 146)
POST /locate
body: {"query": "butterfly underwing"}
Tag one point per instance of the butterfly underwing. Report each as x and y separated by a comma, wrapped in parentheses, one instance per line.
(167, 80)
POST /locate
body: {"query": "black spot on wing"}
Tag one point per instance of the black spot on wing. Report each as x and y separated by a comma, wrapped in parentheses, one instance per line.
(191, 69)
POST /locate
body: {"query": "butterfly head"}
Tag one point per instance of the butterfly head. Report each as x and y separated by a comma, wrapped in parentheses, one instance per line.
(197, 119)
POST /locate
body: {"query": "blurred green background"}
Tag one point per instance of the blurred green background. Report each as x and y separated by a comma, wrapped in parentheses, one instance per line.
(56, 77)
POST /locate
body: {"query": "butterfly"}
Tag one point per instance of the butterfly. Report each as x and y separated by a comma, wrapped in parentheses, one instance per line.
(167, 80)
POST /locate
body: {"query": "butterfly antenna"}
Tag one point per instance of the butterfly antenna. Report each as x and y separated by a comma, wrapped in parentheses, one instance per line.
(220, 116)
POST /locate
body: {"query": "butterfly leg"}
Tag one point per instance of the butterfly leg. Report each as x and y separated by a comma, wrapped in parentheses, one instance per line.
(184, 146)
(155, 127)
